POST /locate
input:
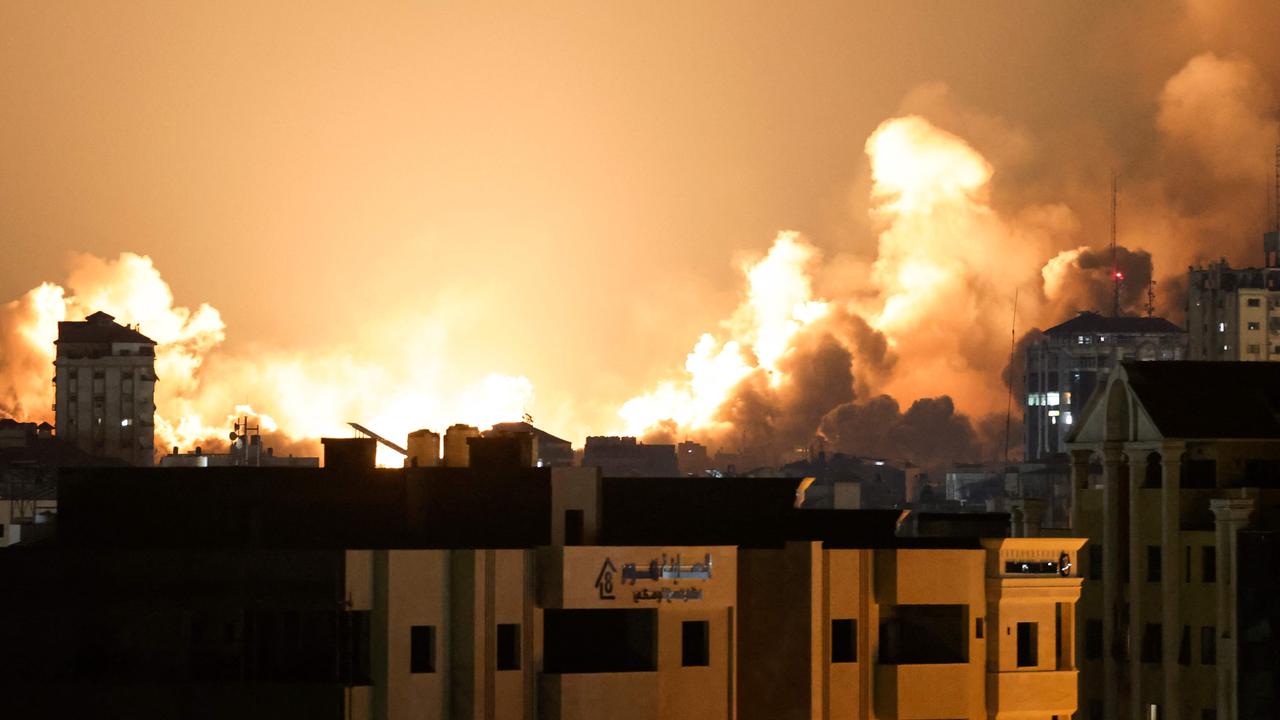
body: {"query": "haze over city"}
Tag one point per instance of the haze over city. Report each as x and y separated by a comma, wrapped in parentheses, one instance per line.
(747, 226)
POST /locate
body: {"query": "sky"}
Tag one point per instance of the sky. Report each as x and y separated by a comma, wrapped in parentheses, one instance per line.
(568, 193)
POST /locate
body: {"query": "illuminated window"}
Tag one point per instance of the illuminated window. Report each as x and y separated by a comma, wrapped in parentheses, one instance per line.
(1052, 398)
(126, 422)
(1255, 326)
(1054, 413)
(1222, 327)
(1066, 418)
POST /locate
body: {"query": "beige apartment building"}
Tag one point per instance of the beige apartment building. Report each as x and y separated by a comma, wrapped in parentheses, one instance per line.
(1181, 528)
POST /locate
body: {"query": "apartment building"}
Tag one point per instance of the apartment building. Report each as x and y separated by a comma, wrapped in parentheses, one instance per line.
(355, 592)
(1182, 529)
(105, 389)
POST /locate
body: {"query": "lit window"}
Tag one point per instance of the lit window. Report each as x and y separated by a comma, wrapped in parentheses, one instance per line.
(1053, 413)
(1222, 327)
(1052, 399)
(1066, 398)
(1066, 418)
(126, 422)
(1255, 326)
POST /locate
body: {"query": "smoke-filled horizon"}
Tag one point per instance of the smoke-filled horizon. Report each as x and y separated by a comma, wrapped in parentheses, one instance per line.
(754, 228)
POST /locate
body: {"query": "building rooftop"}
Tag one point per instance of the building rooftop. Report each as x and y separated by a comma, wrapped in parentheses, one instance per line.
(543, 436)
(1092, 322)
(1204, 399)
(99, 328)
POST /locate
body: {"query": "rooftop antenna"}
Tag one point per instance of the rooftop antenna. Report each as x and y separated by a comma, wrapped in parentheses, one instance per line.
(1116, 275)
(1013, 343)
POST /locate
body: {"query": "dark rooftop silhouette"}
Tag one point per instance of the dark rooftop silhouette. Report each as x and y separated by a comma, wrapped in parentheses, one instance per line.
(1209, 399)
(1092, 322)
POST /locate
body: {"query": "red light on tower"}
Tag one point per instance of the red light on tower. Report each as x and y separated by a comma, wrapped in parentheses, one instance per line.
(1119, 275)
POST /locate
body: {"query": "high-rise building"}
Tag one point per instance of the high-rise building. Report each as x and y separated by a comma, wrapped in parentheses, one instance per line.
(1234, 313)
(105, 389)
(1072, 358)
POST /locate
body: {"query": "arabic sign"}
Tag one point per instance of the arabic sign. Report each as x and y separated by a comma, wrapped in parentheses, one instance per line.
(666, 569)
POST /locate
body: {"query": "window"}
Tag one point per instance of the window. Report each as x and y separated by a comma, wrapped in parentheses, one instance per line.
(1208, 564)
(1222, 327)
(978, 628)
(1093, 639)
(1208, 645)
(1027, 644)
(844, 641)
(1184, 646)
(1151, 643)
(1254, 326)
(924, 634)
(356, 656)
(1186, 565)
(422, 649)
(1254, 349)
(695, 643)
(509, 646)
(1252, 302)
(1209, 714)
(599, 641)
(1153, 563)
(573, 525)
(1095, 562)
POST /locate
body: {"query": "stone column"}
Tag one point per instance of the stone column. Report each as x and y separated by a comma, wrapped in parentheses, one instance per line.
(1137, 578)
(1171, 576)
(1230, 515)
(1079, 481)
(1113, 461)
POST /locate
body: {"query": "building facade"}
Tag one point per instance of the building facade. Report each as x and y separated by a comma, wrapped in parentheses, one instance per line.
(1234, 313)
(348, 592)
(1182, 527)
(104, 391)
(1071, 359)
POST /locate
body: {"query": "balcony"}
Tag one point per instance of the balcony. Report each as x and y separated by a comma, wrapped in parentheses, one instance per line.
(1011, 694)
(921, 692)
(583, 696)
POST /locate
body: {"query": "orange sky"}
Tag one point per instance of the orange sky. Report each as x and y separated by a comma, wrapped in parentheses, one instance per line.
(565, 189)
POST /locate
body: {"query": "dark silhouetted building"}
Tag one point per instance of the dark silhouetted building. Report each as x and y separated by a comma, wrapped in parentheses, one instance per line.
(1071, 359)
(105, 389)
(627, 457)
